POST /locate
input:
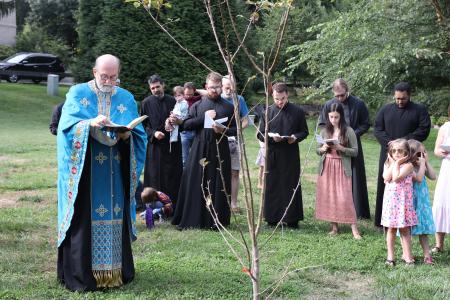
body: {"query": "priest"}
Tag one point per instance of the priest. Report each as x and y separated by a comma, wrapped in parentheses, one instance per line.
(357, 117)
(401, 119)
(97, 177)
(206, 181)
(163, 166)
(287, 125)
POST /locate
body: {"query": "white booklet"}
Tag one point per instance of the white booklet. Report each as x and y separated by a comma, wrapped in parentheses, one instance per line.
(445, 147)
(209, 122)
(321, 140)
(276, 134)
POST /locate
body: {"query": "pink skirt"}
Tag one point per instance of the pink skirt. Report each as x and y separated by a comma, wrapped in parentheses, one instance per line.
(334, 199)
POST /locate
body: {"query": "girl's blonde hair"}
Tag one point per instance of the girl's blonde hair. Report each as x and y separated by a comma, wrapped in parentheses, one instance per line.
(400, 143)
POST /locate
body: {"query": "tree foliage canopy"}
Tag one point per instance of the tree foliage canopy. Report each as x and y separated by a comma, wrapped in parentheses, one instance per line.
(377, 43)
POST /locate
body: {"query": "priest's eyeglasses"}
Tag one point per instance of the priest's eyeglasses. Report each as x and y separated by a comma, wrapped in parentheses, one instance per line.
(105, 78)
(215, 88)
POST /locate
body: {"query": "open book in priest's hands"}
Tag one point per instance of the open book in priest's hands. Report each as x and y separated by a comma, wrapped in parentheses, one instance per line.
(276, 134)
(124, 128)
(321, 140)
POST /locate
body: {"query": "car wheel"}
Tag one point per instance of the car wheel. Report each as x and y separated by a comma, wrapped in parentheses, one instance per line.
(37, 81)
(13, 78)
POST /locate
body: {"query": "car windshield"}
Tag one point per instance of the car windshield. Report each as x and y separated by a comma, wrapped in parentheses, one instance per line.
(16, 58)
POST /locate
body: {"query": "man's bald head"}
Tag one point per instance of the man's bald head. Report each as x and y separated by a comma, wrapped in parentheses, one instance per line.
(106, 72)
(108, 60)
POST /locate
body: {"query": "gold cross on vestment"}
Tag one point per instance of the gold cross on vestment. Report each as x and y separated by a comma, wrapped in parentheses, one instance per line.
(101, 210)
(101, 158)
(117, 209)
(121, 108)
(85, 102)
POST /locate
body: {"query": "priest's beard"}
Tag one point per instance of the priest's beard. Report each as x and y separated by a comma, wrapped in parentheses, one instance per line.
(213, 95)
(104, 88)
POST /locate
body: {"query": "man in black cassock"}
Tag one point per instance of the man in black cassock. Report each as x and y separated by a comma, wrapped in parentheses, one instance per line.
(163, 166)
(401, 119)
(197, 183)
(357, 117)
(283, 159)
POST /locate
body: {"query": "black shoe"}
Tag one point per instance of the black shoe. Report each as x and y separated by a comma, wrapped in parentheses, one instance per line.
(293, 225)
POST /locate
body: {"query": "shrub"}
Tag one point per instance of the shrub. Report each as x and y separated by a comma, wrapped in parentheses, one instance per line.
(6, 51)
(35, 39)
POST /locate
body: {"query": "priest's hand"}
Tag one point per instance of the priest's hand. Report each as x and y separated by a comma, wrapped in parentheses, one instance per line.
(218, 129)
(99, 121)
(211, 113)
(168, 126)
(124, 135)
(159, 135)
(175, 120)
(291, 139)
(277, 138)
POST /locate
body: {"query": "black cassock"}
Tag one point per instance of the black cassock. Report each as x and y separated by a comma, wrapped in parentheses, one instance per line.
(283, 165)
(359, 122)
(163, 164)
(191, 211)
(391, 122)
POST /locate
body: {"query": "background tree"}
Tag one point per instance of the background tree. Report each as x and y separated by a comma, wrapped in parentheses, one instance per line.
(377, 43)
(56, 18)
(111, 26)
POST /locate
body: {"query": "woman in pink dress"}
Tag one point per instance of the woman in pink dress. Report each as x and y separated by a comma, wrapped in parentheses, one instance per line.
(334, 200)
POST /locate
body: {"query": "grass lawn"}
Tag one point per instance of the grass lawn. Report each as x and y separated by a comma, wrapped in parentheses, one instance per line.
(191, 264)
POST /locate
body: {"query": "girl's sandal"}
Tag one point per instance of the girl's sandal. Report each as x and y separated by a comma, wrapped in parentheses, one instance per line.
(390, 263)
(436, 249)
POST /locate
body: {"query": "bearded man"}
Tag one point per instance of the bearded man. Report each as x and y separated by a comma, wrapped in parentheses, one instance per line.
(97, 177)
(202, 185)
(163, 166)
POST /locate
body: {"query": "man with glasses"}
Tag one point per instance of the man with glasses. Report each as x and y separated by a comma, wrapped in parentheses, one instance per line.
(401, 119)
(357, 117)
(163, 166)
(98, 172)
(206, 182)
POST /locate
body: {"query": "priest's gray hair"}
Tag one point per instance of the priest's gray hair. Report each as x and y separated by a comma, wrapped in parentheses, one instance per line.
(340, 83)
(107, 58)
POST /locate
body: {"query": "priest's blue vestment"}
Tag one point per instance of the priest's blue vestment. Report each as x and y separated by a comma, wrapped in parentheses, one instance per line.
(97, 178)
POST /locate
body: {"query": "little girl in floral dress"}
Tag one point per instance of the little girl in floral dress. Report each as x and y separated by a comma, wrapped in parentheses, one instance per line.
(398, 210)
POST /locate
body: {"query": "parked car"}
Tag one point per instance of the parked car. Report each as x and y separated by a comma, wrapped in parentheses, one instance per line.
(34, 66)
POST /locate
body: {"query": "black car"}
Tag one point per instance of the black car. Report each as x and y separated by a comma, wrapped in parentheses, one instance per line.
(34, 66)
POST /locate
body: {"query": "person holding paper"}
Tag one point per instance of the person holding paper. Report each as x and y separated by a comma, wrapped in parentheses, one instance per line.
(441, 203)
(400, 119)
(334, 201)
(356, 116)
(208, 161)
(163, 167)
(98, 172)
(283, 159)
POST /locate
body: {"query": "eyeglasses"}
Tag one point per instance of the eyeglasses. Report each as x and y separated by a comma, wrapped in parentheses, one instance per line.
(217, 87)
(399, 151)
(105, 78)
